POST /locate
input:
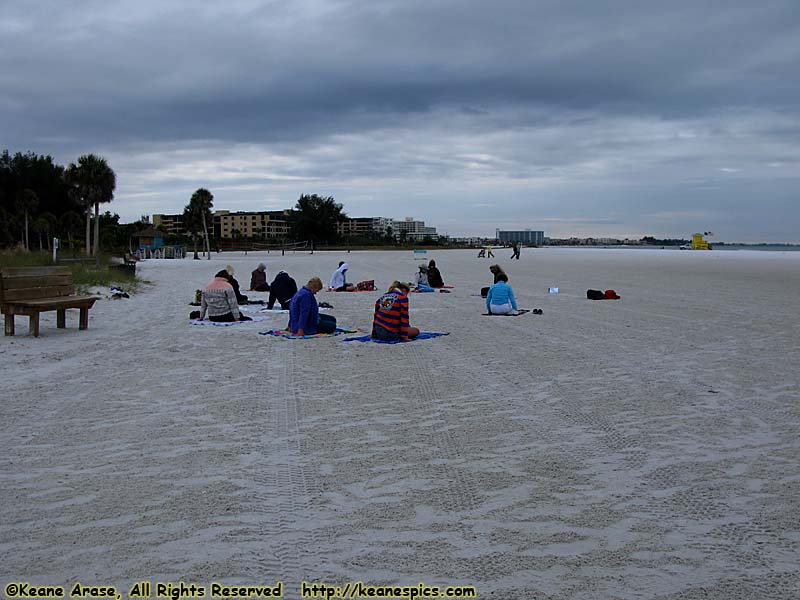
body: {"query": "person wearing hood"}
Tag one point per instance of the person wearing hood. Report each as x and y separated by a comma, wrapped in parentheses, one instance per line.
(258, 279)
(434, 276)
(421, 280)
(282, 289)
(391, 322)
(338, 281)
(219, 301)
(304, 317)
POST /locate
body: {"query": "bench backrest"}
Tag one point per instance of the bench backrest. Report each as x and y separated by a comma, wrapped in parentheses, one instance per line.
(31, 283)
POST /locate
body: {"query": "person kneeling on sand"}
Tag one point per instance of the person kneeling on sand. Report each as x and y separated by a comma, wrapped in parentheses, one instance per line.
(258, 279)
(500, 298)
(304, 317)
(390, 322)
(219, 301)
(421, 280)
(282, 289)
(338, 282)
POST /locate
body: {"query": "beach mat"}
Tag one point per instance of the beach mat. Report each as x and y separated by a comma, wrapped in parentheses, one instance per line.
(285, 333)
(255, 319)
(270, 311)
(423, 335)
(521, 311)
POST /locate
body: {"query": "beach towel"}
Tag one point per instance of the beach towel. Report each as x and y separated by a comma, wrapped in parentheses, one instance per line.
(285, 333)
(270, 311)
(521, 311)
(255, 319)
(423, 335)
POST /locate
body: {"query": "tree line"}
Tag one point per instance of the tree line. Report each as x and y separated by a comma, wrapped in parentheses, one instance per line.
(40, 199)
(39, 196)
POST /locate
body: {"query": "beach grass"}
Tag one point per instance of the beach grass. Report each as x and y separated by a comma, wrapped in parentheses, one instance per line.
(85, 274)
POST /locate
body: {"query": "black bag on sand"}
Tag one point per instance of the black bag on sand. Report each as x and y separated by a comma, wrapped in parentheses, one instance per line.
(594, 294)
(195, 314)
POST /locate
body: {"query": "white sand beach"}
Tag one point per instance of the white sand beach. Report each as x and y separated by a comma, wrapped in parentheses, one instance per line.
(640, 448)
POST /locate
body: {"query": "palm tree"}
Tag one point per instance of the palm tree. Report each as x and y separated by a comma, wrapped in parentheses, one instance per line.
(27, 201)
(70, 221)
(93, 182)
(190, 221)
(201, 202)
(40, 225)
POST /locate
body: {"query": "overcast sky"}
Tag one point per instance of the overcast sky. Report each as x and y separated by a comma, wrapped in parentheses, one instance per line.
(586, 117)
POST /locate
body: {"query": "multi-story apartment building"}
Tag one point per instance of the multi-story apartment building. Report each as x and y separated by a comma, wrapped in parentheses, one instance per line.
(170, 224)
(535, 238)
(415, 230)
(262, 224)
(365, 226)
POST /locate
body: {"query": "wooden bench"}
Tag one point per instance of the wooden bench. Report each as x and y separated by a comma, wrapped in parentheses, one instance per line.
(33, 290)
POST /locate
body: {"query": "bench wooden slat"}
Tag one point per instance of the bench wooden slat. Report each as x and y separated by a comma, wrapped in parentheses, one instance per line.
(15, 283)
(6, 272)
(36, 293)
(33, 290)
(48, 304)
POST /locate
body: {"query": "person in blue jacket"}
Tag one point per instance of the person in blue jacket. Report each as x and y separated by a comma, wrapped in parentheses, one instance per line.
(500, 298)
(304, 317)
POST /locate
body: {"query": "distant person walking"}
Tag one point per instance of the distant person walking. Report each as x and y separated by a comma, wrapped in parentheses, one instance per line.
(515, 249)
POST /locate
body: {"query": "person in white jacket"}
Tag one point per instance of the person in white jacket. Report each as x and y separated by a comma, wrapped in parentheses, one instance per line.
(338, 282)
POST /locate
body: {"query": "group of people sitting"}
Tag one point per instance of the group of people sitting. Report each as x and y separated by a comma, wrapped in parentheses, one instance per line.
(428, 278)
(221, 298)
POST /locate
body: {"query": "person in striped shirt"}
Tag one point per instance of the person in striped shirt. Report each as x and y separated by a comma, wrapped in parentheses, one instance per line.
(390, 322)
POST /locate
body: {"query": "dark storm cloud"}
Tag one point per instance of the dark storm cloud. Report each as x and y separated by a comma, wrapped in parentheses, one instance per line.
(355, 95)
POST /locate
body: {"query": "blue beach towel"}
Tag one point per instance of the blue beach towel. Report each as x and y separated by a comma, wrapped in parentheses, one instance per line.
(285, 333)
(423, 335)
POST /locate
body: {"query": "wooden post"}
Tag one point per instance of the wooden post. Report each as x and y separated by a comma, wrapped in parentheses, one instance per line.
(34, 324)
(61, 318)
(84, 323)
(9, 324)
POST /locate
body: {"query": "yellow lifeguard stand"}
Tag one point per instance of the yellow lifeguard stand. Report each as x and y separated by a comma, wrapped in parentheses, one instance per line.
(699, 242)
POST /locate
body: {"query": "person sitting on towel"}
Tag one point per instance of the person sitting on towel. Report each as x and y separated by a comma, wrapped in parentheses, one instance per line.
(434, 276)
(282, 289)
(258, 279)
(219, 301)
(304, 317)
(240, 298)
(496, 271)
(390, 322)
(338, 282)
(500, 298)
(421, 280)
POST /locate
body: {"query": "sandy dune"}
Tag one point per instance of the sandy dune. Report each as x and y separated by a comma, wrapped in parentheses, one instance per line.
(640, 448)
